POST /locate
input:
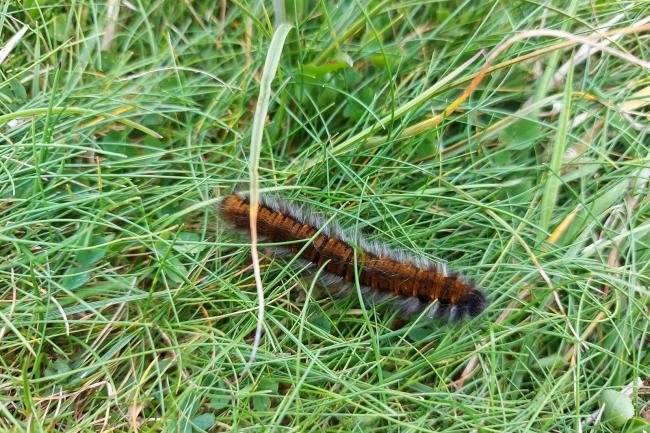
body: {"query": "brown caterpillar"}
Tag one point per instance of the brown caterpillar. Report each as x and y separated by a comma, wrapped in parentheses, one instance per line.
(415, 284)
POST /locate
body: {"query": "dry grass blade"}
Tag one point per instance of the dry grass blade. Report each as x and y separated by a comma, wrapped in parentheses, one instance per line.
(268, 73)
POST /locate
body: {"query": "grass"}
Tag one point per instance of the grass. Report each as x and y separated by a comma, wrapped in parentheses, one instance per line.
(125, 305)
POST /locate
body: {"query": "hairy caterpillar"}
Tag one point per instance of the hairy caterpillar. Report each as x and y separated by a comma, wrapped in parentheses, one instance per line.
(414, 284)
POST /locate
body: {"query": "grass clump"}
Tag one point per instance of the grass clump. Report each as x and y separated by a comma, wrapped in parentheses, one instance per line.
(125, 304)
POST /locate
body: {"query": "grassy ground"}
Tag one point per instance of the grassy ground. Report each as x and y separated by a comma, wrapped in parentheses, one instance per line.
(126, 306)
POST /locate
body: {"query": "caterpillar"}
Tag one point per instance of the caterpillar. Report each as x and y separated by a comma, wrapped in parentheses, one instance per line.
(414, 284)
